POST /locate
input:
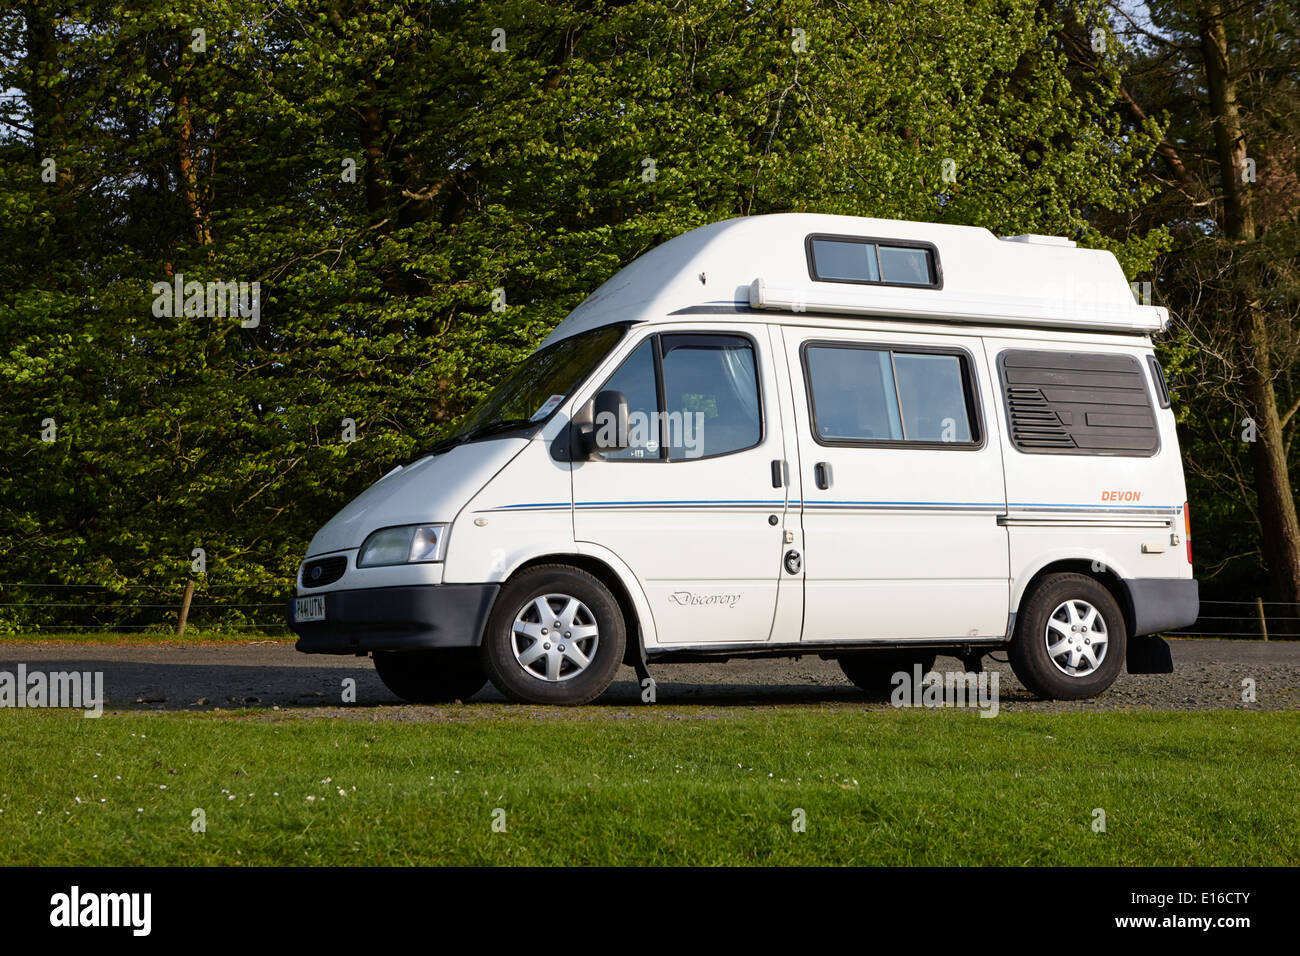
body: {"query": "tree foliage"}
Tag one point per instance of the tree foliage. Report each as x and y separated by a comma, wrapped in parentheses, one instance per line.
(389, 172)
(1221, 83)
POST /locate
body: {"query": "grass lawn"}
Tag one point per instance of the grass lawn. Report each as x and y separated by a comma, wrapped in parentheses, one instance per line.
(690, 786)
(191, 637)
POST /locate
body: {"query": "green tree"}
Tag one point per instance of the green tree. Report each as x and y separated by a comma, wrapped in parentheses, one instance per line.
(1222, 82)
(422, 191)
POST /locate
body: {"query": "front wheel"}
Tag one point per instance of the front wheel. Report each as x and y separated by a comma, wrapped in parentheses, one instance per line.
(556, 636)
(1070, 638)
(431, 677)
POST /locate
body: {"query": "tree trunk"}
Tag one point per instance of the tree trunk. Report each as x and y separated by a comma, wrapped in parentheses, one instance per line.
(191, 189)
(1279, 526)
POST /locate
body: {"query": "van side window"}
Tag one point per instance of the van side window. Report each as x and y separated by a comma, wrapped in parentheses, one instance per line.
(711, 395)
(689, 395)
(865, 395)
(853, 394)
(1077, 403)
(932, 395)
(635, 378)
(1158, 376)
(867, 261)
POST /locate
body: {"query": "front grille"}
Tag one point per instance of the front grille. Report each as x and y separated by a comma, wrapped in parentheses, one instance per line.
(323, 571)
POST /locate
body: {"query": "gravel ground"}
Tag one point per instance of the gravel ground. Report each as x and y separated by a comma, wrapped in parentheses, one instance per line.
(1208, 675)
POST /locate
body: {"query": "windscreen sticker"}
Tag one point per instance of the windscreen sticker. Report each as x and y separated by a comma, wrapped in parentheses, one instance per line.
(548, 406)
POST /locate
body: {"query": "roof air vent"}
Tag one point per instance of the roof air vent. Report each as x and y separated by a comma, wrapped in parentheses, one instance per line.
(1032, 240)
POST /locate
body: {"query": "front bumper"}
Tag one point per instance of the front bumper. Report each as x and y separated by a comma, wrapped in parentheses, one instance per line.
(419, 617)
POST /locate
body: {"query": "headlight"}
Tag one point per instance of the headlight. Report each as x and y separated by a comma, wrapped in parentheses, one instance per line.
(405, 545)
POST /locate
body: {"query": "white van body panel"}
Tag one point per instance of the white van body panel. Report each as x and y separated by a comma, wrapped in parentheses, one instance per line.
(432, 489)
(522, 512)
(1121, 514)
(791, 587)
(1035, 549)
(645, 618)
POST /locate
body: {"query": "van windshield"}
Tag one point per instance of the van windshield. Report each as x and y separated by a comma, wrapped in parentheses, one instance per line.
(537, 386)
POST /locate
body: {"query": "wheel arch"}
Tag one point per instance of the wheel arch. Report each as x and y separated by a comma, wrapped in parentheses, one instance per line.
(1098, 571)
(604, 572)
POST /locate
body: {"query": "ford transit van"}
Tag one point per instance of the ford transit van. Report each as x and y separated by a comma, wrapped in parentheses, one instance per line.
(868, 440)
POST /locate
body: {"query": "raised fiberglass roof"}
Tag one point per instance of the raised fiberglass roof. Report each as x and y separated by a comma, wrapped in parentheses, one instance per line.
(765, 264)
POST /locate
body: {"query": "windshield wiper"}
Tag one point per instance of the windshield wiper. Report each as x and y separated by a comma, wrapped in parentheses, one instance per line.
(438, 447)
(495, 428)
(479, 431)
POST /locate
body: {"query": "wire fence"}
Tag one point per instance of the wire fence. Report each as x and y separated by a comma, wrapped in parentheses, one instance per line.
(36, 607)
(1258, 619)
(1239, 620)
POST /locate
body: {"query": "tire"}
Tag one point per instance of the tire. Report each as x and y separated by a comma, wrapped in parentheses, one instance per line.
(431, 677)
(873, 671)
(520, 653)
(1054, 652)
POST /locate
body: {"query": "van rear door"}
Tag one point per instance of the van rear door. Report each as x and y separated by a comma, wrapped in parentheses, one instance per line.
(902, 486)
(1091, 447)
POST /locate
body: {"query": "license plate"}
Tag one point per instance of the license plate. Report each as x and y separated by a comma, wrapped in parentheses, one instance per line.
(309, 608)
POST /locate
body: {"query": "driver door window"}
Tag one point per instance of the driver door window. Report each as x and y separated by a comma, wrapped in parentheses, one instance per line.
(712, 397)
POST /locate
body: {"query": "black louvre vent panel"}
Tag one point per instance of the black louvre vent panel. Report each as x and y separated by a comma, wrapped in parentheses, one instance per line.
(323, 571)
(1077, 403)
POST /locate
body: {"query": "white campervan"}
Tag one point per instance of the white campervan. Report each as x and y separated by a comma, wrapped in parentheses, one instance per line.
(863, 439)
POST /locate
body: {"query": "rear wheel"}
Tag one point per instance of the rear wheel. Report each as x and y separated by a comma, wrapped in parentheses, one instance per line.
(874, 671)
(1070, 638)
(556, 636)
(431, 677)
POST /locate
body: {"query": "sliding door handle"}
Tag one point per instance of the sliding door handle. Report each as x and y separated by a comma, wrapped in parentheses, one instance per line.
(778, 473)
(822, 472)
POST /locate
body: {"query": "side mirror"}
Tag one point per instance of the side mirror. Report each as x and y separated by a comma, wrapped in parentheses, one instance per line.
(609, 423)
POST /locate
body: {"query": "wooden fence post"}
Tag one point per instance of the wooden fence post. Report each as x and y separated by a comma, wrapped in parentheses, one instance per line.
(1263, 623)
(185, 607)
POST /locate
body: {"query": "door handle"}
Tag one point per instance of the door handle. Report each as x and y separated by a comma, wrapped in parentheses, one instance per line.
(822, 472)
(778, 472)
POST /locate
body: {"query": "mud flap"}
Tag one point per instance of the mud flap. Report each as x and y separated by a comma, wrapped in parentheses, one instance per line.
(1149, 654)
(635, 656)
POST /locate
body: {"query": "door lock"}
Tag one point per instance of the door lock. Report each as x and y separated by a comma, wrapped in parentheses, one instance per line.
(793, 561)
